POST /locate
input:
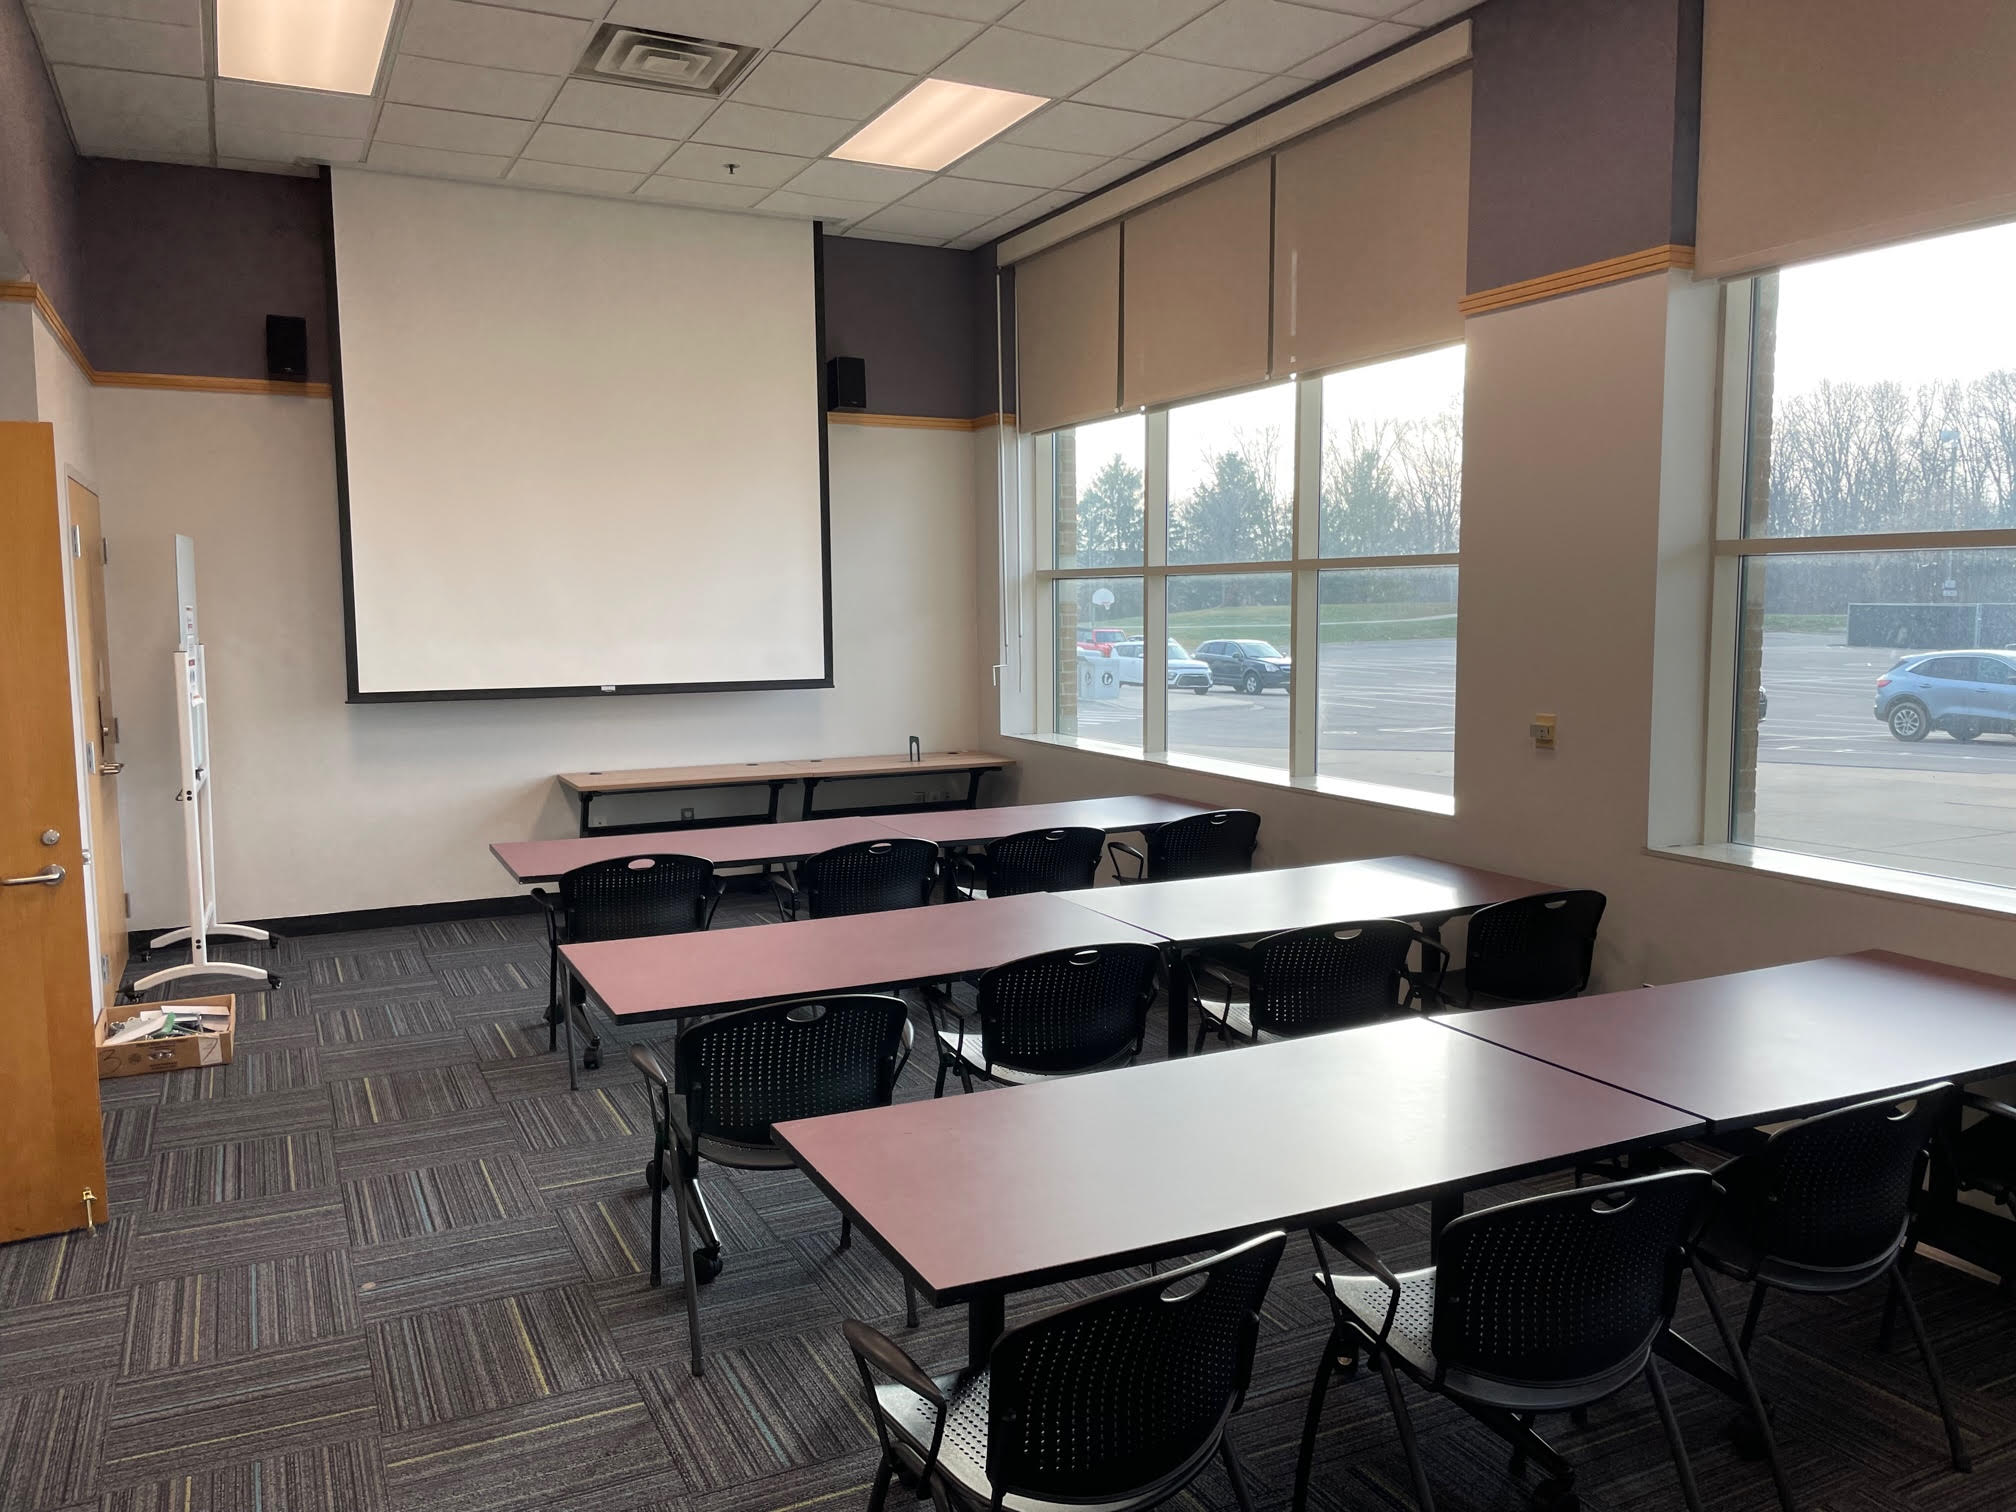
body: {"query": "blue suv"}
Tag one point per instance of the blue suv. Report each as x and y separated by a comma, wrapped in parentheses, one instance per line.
(1964, 693)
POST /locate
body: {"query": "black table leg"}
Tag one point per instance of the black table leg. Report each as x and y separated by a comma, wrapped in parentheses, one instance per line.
(973, 788)
(1182, 987)
(1443, 1209)
(986, 1319)
(776, 791)
(810, 784)
(586, 799)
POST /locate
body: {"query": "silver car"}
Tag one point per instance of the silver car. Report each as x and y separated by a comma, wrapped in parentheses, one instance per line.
(1185, 671)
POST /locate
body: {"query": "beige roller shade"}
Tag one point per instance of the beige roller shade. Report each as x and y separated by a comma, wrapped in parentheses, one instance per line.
(1196, 290)
(1371, 232)
(1828, 125)
(1067, 332)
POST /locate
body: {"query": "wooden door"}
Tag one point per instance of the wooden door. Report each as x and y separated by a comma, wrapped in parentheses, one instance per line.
(101, 732)
(50, 1149)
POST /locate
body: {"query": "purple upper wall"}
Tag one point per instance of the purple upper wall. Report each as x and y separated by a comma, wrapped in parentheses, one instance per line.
(1585, 123)
(907, 311)
(38, 167)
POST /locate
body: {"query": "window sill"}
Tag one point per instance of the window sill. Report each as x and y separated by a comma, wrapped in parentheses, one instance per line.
(1852, 876)
(1350, 791)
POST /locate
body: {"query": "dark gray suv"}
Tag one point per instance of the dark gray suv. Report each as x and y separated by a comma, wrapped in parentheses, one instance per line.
(1251, 666)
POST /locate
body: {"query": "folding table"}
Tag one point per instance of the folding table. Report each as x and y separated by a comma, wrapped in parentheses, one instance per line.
(730, 845)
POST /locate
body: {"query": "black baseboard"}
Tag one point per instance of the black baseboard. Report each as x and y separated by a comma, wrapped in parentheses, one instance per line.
(369, 918)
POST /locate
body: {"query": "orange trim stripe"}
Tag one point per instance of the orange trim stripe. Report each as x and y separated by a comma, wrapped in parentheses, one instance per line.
(1573, 280)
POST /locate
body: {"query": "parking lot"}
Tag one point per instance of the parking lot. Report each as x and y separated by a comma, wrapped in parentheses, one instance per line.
(1830, 779)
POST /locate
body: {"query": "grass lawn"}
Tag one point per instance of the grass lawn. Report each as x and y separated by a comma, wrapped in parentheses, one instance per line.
(1836, 624)
(1341, 622)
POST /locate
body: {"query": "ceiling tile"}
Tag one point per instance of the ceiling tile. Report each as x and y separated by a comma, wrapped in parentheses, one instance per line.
(493, 36)
(1070, 127)
(679, 191)
(1169, 86)
(1429, 12)
(857, 233)
(464, 86)
(582, 10)
(573, 176)
(736, 125)
(1003, 59)
(852, 32)
(814, 207)
(175, 12)
(1006, 163)
(752, 169)
(622, 107)
(1376, 9)
(965, 10)
(115, 114)
(909, 220)
(269, 107)
(1377, 37)
(1103, 175)
(1175, 139)
(1016, 220)
(1132, 24)
(1258, 98)
(753, 23)
(113, 42)
(269, 144)
(433, 160)
(835, 179)
(785, 82)
(454, 130)
(972, 195)
(1262, 34)
(597, 149)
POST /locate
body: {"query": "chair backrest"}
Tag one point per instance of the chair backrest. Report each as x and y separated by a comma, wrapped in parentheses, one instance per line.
(1533, 949)
(869, 876)
(1068, 1010)
(1563, 1288)
(1834, 1191)
(1204, 845)
(636, 895)
(1122, 1391)
(1306, 981)
(1049, 860)
(744, 1071)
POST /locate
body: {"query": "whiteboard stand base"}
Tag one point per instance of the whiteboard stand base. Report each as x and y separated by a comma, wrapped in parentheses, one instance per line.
(182, 932)
(203, 969)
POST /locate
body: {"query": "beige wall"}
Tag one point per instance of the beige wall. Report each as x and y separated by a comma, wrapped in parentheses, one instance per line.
(324, 806)
(1586, 518)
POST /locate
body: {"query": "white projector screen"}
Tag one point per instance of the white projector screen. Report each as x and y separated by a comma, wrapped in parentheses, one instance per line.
(583, 444)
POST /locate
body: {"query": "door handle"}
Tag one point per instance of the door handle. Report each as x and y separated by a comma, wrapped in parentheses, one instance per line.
(111, 768)
(49, 876)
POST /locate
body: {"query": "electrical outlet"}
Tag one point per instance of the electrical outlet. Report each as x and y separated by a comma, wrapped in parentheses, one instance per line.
(685, 813)
(1542, 731)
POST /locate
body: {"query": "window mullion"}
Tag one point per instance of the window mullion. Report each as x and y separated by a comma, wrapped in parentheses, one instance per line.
(1305, 613)
(1154, 588)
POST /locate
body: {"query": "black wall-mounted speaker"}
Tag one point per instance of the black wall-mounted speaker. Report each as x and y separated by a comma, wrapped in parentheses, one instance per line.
(287, 347)
(846, 383)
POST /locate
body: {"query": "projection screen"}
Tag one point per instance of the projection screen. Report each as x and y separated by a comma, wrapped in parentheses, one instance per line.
(582, 444)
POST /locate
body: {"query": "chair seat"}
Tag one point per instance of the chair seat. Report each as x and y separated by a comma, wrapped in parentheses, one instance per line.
(969, 1053)
(1725, 1246)
(735, 1155)
(1454, 992)
(962, 1456)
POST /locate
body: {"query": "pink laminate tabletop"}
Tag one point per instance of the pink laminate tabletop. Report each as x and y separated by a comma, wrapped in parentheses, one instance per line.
(1116, 816)
(729, 845)
(665, 976)
(1759, 1046)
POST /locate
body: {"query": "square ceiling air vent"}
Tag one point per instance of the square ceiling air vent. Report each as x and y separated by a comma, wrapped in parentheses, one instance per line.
(663, 60)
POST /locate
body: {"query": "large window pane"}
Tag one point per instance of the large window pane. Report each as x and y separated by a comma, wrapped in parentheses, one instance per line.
(1883, 396)
(1876, 710)
(1235, 628)
(1096, 472)
(1392, 477)
(1387, 677)
(1232, 478)
(1099, 659)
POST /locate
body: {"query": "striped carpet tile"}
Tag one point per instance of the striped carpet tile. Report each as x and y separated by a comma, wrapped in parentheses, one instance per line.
(519, 977)
(399, 1146)
(175, 1244)
(364, 968)
(256, 1071)
(65, 1266)
(482, 934)
(613, 1236)
(61, 1342)
(560, 1119)
(467, 1265)
(496, 1040)
(128, 1130)
(397, 1096)
(237, 1169)
(330, 1477)
(377, 1057)
(432, 1199)
(227, 1117)
(234, 1310)
(49, 1444)
(465, 1361)
(391, 1018)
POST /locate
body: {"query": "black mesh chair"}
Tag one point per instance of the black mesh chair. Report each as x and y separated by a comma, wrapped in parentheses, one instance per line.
(736, 1076)
(1540, 1306)
(1309, 981)
(1046, 860)
(1528, 950)
(1054, 1014)
(1118, 1401)
(870, 876)
(1202, 845)
(620, 899)
(1826, 1206)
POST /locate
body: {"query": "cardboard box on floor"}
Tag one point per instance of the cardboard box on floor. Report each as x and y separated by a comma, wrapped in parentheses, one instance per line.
(175, 1053)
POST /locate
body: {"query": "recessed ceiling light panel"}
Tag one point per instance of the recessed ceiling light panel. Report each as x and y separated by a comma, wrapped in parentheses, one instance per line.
(936, 123)
(332, 45)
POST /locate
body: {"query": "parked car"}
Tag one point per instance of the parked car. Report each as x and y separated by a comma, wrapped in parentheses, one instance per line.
(1248, 665)
(1102, 641)
(1964, 693)
(1185, 671)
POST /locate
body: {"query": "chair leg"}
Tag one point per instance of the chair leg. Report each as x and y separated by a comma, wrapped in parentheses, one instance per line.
(657, 1215)
(1313, 1419)
(879, 1494)
(1917, 1326)
(1741, 1366)
(552, 996)
(1750, 1316)
(1235, 1473)
(909, 1305)
(846, 1231)
(1883, 1334)
(680, 1200)
(1423, 1497)
(1517, 1466)
(943, 1066)
(1689, 1492)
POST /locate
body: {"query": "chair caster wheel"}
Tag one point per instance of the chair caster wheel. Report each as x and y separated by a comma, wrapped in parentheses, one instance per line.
(654, 1177)
(591, 1060)
(272, 980)
(1557, 1496)
(706, 1265)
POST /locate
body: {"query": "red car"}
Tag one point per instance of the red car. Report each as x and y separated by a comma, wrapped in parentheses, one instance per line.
(1102, 641)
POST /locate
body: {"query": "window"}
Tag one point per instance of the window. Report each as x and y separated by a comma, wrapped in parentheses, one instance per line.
(1866, 554)
(1296, 548)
